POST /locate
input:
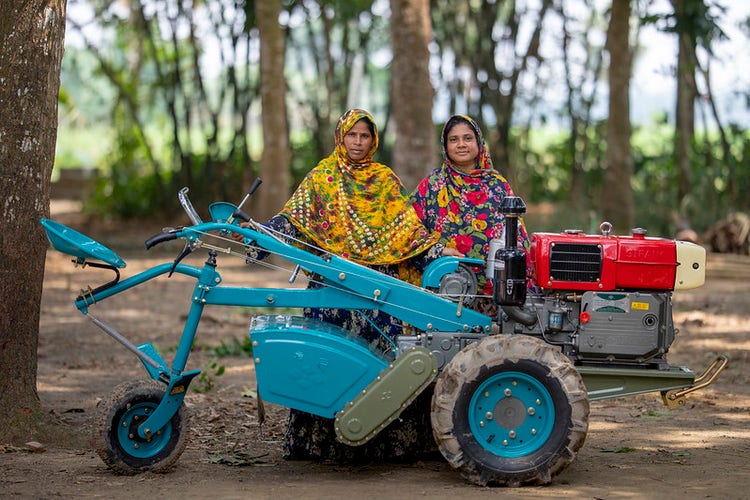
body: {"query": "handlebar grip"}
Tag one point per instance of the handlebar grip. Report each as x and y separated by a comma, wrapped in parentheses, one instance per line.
(239, 214)
(160, 238)
(256, 184)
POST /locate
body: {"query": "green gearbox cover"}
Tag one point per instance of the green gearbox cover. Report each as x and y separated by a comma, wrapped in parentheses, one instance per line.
(383, 400)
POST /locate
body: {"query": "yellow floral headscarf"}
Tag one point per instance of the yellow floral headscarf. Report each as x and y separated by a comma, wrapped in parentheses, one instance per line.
(358, 210)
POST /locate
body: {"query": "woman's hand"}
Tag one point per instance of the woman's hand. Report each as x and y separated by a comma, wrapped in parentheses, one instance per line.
(238, 237)
(451, 252)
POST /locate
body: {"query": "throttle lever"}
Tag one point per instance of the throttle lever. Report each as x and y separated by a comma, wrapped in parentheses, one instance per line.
(238, 213)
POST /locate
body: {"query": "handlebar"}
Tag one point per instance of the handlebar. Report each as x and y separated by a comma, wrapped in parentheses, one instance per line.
(187, 206)
(160, 238)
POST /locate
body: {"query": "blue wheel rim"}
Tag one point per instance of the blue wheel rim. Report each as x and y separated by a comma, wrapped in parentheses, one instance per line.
(129, 440)
(511, 414)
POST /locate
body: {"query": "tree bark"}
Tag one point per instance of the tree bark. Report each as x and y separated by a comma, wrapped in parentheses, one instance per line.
(685, 112)
(617, 203)
(416, 145)
(274, 161)
(31, 49)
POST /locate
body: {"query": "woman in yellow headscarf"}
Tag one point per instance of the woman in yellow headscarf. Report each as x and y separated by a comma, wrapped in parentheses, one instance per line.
(354, 207)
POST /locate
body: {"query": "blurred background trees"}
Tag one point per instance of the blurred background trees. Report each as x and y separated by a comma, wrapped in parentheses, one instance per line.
(157, 95)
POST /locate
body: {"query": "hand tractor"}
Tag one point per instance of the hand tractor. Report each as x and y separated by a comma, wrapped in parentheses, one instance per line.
(510, 394)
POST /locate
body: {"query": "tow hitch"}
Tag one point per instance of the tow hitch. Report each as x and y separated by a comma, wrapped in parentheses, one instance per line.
(676, 397)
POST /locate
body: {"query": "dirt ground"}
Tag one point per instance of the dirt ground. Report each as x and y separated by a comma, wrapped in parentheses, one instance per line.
(635, 448)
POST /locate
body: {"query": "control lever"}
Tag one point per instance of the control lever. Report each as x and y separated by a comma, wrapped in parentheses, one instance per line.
(184, 253)
(238, 213)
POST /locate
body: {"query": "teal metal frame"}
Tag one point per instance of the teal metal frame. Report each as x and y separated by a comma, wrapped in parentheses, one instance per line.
(348, 285)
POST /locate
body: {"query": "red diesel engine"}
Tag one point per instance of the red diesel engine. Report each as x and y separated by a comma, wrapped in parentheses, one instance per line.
(575, 261)
(604, 299)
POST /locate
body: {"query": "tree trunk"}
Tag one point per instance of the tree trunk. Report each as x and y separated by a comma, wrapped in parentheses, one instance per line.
(416, 145)
(617, 203)
(31, 48)
(582, 82)
(503, 103)
(685, 113)
(274, 161)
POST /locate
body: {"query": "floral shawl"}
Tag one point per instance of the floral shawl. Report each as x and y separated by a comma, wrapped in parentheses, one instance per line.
(358, 210)
(464, 207)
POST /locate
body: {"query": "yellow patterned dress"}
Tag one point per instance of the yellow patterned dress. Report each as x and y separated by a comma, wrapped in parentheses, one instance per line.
(361, 211)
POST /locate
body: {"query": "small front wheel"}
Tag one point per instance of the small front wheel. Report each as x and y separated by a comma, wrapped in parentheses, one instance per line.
(116, 438)
(510, 410)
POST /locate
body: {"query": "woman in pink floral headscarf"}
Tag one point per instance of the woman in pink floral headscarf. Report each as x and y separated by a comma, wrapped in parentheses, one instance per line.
(461, 198)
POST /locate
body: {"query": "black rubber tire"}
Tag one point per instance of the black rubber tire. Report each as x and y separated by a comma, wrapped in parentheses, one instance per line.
(125, 453)
(481, 367)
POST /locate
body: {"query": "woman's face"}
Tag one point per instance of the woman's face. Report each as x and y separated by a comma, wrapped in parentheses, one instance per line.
(358, 141)
(461, 147)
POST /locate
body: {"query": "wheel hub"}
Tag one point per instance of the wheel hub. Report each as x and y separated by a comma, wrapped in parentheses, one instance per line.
(129, 439)
(511, 414)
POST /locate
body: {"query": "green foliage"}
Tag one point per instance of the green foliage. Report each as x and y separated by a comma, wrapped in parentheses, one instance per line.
(205, 381)
(544, 176)
(718, 177)
(623, 449)
(544, 169)
(699, 20)
(124, 193)
(234, 348)
(158, 122)
(304, 156)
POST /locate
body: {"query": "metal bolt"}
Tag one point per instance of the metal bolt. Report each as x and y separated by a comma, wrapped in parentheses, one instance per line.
(531, 410)
(417, 366)
(507, 393)
(481, 423)
(512, 434)
(488, 415)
